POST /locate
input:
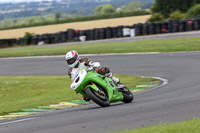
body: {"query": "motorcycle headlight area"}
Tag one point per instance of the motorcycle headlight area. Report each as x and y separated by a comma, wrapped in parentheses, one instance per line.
(78, 80)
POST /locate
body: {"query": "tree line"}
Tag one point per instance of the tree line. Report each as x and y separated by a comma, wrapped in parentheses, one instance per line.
(175, 9)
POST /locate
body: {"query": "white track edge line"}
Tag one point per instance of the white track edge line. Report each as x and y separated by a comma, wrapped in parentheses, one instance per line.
(21, 120)
(164, 82)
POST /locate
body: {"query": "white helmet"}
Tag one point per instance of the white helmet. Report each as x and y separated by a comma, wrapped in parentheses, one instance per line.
(72, 58)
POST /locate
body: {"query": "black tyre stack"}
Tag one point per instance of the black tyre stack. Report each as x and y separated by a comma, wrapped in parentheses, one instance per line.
(57, 38)
(53, 38)
(23, 41)
(3, 43)
(7, 42)
(158, 28)
(174, 25)
(92, 34)
(164, 27)
(96, 34)
(83, 33)
(197, 23)
(102, 34)
(34, 39)
(70, 35)
(41, 38)
(114, 32)
(138, 29)
(108, 32)
(190, 25)
(151, 27)
(182, 25)
(47, 38)
(87, 34)
(76, 35)
(12, 42)
(120, 31)
(62, 36)
(145, 29)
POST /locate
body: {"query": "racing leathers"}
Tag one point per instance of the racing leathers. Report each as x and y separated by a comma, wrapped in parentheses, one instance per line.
(89, 65)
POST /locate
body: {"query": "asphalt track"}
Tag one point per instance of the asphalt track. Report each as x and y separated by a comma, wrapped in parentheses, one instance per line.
(177, 101)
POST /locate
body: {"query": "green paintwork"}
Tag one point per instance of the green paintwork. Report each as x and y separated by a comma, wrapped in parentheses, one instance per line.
(137, 88)
(93, 76)
(78, 101)
(45, 107)
(33, 110)
(148, 83)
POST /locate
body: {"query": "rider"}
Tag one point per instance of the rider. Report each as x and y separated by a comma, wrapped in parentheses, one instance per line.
(75, 63)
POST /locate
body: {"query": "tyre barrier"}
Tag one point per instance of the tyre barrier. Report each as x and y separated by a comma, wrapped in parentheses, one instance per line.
(7, 42)
(151, 28)
(164, 27)
(72, 35)
(120, 31)
(145, 28)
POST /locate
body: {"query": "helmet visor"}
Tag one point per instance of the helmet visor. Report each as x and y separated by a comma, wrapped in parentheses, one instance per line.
(72, 60)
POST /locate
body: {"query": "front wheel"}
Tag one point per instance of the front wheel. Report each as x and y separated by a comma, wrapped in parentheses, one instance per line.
(128, 96)
(99, 98)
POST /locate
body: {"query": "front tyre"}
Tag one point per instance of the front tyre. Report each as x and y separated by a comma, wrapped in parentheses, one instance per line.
(97, 97)
(128, 96)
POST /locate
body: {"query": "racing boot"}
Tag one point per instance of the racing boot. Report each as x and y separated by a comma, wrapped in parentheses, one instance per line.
(106, 71)
(114, 79)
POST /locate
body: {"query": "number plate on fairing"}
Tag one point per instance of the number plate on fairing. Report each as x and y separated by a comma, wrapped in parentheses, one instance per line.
(78, 80)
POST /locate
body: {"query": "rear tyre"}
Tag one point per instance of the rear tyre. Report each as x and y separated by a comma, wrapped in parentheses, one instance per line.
(98, 98)
(128, 96)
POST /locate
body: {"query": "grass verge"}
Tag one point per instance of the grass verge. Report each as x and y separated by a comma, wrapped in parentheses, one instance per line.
(21, 92)
(164, 45)
(191, 126)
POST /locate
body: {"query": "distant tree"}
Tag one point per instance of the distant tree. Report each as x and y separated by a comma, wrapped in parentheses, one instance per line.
(193, 11)
(123, 8)
(104, 9)
(31, 21)
(108, 9)
(134, 6)
(15, 21)
(156, 17)
(146, 5)
(57, 16)
(28, 34)
(196, 2)
(177, 15)
(166, 7)
(98, 9)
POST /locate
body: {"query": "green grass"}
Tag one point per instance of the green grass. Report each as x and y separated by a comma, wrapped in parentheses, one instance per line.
(164, 45)
(192, 126)
(21, 92)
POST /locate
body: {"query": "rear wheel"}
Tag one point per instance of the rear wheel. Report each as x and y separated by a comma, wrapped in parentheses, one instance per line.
(98, 97)
(128, 96)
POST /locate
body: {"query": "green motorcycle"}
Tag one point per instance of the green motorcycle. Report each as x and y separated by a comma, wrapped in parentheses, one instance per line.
(100, 89)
